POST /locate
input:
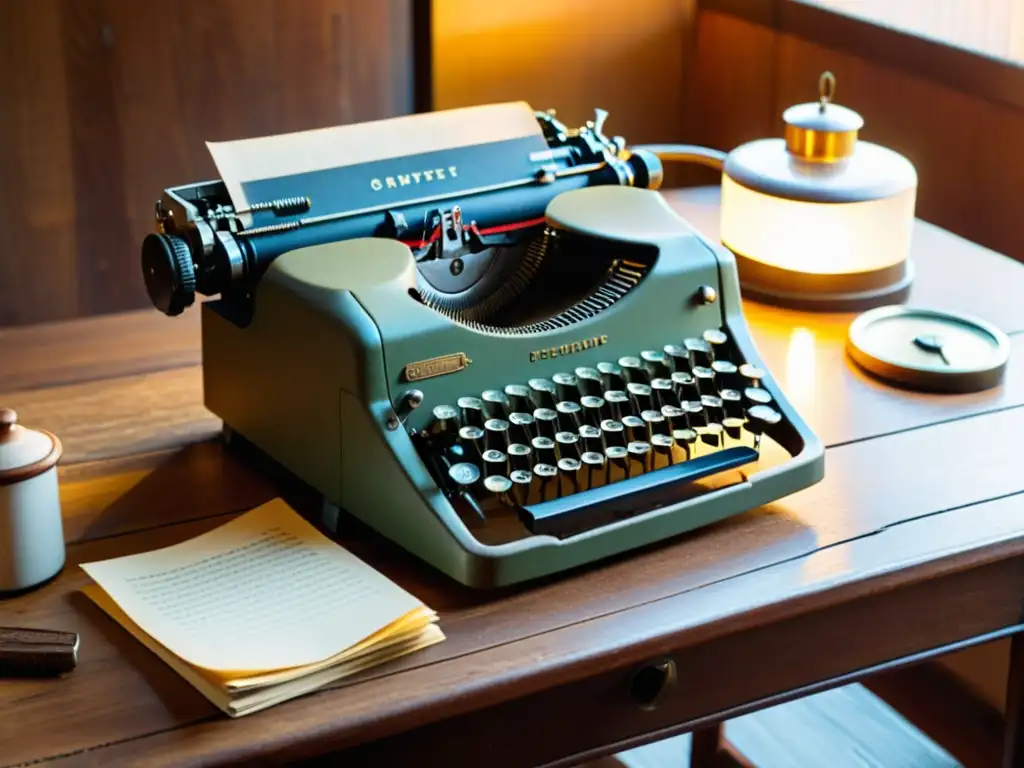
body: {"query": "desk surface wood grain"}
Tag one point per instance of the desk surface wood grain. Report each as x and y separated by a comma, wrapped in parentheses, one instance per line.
(921, 492)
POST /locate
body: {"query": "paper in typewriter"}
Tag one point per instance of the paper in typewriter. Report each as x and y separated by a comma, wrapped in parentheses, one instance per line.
(261, 595)
(384, 162)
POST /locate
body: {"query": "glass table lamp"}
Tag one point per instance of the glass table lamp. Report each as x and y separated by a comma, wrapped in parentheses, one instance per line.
(820, 219)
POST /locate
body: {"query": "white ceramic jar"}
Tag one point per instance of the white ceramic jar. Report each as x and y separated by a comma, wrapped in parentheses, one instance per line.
(31, 530)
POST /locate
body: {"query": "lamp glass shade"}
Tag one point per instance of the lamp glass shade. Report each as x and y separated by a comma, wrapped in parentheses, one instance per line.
(816, 238)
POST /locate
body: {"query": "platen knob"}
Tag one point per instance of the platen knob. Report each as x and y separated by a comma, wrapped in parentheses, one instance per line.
(169, 273)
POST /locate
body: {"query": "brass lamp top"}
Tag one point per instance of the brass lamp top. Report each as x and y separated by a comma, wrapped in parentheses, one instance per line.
(822, 131)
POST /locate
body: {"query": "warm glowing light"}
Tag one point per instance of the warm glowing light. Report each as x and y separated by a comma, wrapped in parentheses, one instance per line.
(817, 238)
(801, 385)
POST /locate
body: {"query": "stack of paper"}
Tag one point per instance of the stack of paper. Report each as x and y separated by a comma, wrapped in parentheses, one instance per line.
(261, 610)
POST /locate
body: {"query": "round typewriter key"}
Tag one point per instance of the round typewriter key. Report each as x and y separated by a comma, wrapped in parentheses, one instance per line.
(544, 448)
(497, 486)
(663, 392)
(592, 407)
(761, 418)
(717, 339)
(594, 463)
(569, 416)
(546, 421)
(611, 376)
(471, 438)
(640, 452)
(496, 434)
(519, 398)
(521, 480)
(686, 438)
(705, 380)
(618, 456)
(519, 456)
(700, 353)
(726, 374)
(617, 403)
(675, 416)
(663, 445)
(612, 431)
(464, 474)
(716, 336)
(568, 444)
(640, 396)
(566, 386)
(446, 423)
(678, 356)
(545, 473)
(685, 386)
(543, 393)
(712, 435)
(633, 370)
(569, 469)
(757, 396)
(472, 411)
(764, 415)
(655, 363)
(733, 427)
(733, 402)
(590, 381)
(495, 403)
(522, 427)
(714, 406)
(495, 462)
(636, 428)
(591, 437)
(752, 373)
(655, 422)
(695, 414)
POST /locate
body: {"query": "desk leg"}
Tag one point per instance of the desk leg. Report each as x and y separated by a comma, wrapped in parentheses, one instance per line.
(709, 749)
(1013, 744)
(706, 746)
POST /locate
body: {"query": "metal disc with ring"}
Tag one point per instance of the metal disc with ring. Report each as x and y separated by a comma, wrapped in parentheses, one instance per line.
(929, 350)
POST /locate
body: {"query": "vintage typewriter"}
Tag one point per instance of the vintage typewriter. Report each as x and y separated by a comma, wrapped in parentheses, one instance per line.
(491, 339)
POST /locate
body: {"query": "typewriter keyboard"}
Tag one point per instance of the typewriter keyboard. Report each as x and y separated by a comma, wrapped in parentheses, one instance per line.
(591, 445)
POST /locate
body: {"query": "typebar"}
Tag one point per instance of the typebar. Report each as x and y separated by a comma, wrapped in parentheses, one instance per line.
(606, 503)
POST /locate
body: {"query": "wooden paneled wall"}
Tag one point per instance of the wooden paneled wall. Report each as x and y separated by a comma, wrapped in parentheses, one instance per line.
(103, 103)
(574, 55)
(967, 150)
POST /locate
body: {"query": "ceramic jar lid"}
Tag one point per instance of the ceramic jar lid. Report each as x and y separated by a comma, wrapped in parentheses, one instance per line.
(24, 452)
(929, 350)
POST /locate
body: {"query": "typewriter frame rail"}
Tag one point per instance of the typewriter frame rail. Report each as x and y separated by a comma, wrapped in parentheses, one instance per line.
(316, 382)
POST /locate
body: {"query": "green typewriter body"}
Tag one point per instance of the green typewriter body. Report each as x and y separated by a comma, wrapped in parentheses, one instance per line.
(615, 400)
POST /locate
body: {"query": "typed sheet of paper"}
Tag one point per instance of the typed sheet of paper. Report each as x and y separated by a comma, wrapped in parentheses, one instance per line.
(266, 591)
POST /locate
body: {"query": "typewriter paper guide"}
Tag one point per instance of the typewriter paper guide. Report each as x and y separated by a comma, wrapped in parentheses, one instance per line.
(264, 592)
(390, 161)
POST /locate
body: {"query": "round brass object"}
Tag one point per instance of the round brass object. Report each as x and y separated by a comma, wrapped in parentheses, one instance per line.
(929, 350)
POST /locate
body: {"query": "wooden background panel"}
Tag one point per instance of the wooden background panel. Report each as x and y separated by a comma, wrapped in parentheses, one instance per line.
(572, 56)
(105, 103)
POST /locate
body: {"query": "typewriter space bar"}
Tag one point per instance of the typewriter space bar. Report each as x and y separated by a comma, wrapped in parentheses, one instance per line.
(606, 503)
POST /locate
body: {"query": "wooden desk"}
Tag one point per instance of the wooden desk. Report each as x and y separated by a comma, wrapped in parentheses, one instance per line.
(912, 545)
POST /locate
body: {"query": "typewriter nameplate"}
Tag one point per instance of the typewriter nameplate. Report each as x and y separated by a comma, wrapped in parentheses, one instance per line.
(436, 366)
(567, 349)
